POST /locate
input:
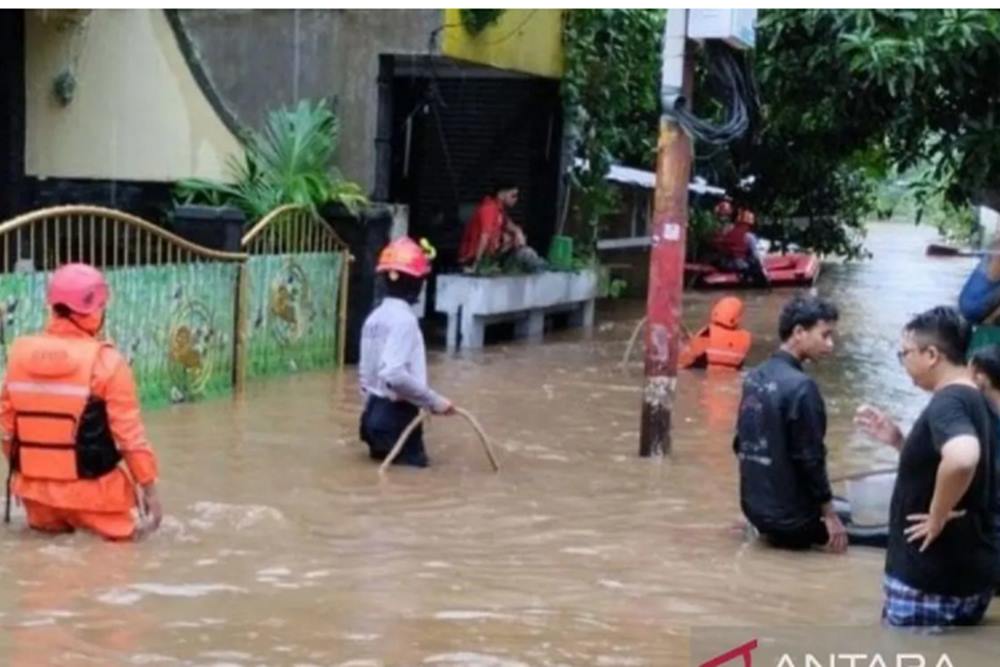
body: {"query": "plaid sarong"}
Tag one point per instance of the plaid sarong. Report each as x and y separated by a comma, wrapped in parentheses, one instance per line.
(906, 606)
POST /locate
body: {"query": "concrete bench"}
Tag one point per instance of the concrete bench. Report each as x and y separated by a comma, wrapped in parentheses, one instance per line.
(473, 302)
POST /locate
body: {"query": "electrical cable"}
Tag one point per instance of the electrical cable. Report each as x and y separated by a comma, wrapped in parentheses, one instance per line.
(730, 70)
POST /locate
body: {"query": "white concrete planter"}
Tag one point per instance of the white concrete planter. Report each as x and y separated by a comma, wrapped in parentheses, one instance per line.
(472, 302)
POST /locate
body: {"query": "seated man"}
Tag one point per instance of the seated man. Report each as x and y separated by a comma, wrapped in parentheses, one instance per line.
(492, 235)
(723, 343)
(980, 295)
(734, 247)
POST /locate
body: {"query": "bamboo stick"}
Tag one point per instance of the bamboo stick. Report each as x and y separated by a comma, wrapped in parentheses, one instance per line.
(419, 419)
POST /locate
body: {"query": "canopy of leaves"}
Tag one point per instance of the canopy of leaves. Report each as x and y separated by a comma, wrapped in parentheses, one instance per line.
(611, 93)
(849, 97)
(289, 162)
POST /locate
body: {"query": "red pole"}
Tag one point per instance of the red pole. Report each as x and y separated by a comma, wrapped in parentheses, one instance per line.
(666, 278)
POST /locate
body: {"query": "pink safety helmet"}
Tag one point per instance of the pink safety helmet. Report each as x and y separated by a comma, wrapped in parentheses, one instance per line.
(406, 256)
(79, 287)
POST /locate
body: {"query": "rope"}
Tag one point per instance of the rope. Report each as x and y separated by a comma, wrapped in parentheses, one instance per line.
(635, 337)
(419, 419)
(142, 526)
(631, 342)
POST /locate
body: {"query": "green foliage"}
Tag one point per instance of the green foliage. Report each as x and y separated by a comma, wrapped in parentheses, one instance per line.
(612, 63)
(492, 265)
(957, 224)
(617, 287)
(913, 196)
(584, 259)
(612, 288)
(476, 20)
(843, 204)
(849, 97)
(289, 162)
(702, 226)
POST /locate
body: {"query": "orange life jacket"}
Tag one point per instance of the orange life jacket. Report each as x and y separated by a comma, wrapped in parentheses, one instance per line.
(61, 431)
(722, 342)
(727, 347)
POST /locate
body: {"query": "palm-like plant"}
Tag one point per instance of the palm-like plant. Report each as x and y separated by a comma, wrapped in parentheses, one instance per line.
(289, 162)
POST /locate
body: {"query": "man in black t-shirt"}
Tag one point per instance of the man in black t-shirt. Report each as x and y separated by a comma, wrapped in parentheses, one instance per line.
(942, 555)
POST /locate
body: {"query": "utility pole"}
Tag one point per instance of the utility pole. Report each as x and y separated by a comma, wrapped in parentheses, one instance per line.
(666, 257)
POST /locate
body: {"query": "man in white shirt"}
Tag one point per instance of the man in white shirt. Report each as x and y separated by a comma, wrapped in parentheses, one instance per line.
(393, 367)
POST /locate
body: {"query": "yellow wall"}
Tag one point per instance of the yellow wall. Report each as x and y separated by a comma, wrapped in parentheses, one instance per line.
(137, 114)
(523, 40)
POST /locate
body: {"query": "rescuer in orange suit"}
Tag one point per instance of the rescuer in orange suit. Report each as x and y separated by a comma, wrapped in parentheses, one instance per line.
(70, 418)
(722, 344)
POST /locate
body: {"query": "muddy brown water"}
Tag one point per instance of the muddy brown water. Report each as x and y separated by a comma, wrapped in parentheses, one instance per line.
(282, 547)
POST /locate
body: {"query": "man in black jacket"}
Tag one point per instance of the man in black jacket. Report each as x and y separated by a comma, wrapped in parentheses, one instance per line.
(784, 489)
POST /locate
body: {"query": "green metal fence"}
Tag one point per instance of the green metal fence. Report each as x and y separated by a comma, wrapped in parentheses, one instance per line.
(190, 320)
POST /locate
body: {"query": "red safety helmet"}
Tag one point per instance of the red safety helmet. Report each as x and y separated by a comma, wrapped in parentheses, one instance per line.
(79, 287)
(406, 256)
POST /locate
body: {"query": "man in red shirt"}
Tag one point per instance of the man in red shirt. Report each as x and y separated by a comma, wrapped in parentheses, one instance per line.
(491, 234)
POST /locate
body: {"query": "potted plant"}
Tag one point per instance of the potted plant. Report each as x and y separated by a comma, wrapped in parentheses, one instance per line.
(291, 161)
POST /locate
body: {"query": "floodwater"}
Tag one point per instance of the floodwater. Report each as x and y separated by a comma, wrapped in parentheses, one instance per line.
(282, 547)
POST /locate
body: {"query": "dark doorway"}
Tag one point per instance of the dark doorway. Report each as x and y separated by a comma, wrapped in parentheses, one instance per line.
(455, 131)
(11, 112)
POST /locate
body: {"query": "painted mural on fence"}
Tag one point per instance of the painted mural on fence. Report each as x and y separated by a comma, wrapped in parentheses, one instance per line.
(174, 324)
(293, 312)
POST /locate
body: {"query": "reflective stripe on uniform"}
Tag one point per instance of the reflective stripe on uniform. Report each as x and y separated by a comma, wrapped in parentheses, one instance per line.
(726, 353)
(50, 388)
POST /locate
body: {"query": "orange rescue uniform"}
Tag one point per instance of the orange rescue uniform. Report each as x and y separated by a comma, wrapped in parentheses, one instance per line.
(722, 344)
(50, 380)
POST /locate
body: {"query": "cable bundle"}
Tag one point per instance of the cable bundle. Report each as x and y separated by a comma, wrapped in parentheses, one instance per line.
(730, 69)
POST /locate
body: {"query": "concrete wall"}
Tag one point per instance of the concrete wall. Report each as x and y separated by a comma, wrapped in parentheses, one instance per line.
(137, 114)
(522, 40)
(990, 221)
(259, 60)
